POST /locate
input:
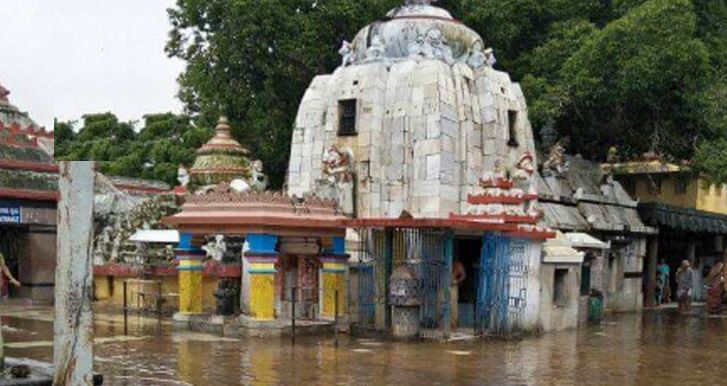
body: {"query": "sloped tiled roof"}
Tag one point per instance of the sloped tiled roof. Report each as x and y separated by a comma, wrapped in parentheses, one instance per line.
(582, 199)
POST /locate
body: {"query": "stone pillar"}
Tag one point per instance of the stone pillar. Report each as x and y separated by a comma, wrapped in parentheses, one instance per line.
(261, 259)
(73, 323)
(333, 278)
(190, 276)
(653, 253)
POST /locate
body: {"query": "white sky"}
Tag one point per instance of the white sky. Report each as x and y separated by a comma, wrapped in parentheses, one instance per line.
(66, 58)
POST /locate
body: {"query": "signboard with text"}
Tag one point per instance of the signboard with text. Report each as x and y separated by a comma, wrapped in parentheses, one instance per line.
(10, 214)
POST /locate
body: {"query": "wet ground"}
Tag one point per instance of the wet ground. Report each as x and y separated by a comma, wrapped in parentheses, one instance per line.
(656, 348)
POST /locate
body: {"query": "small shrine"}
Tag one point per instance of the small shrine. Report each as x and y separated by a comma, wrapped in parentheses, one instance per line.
(284, 251)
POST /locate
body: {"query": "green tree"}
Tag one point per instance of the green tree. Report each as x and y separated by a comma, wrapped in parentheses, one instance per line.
(164, 142)
(252, 61)
(639, 74)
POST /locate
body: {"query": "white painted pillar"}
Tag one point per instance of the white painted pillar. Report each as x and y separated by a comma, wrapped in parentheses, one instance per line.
(73, 324)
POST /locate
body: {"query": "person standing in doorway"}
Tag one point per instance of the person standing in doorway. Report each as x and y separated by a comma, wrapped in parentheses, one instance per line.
(685, 283)
(664, 273)
(5, 272)
(458, 275)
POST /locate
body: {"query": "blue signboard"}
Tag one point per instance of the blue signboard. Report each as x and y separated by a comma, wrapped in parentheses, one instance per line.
(10, 214)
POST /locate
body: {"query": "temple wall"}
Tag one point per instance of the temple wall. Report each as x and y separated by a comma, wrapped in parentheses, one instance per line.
(564, 316)
(426, 131)
(625, 293)
(531, 314)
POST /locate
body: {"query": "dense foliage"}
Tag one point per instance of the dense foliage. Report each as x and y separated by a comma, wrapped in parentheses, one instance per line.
(640, 75)
(154, 152)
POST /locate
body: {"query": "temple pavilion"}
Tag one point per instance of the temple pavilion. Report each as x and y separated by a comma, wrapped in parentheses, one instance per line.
(285, 247)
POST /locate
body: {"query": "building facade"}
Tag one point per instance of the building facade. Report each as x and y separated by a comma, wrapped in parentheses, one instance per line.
(689, 211)
(28, 198)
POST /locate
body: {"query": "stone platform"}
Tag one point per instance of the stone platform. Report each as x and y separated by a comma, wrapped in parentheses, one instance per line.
(243, 326)
(41, 374)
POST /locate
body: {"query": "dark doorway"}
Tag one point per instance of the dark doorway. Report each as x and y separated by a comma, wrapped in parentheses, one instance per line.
(468, 252)
(10, 247)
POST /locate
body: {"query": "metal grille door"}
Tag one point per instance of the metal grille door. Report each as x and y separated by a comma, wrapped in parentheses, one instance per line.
(502, 285)
(374, 263)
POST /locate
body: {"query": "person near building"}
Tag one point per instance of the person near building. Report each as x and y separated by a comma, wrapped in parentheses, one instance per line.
(5, 272)
(458, 275)
(659, 290)
(715, 289)
(663, 271)
(685, 284)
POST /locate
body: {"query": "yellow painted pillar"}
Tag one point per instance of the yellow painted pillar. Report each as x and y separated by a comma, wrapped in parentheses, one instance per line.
(190, 276)
(333, 278)
(261, 259)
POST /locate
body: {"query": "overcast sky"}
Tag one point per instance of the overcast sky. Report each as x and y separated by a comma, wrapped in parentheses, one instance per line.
(66, 58)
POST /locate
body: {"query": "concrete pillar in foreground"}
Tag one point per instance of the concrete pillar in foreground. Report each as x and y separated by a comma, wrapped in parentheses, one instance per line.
(333, 278)
(73, 324)
(261, 259)
(190, 276)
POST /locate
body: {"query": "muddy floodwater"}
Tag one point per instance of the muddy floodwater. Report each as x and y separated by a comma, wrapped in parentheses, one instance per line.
(656, 348)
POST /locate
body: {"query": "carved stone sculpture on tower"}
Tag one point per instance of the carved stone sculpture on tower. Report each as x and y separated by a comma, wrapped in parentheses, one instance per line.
(337, 181)
(476, 58)
(435, 46)
(524, 172)
(376, 52)
(346, 53)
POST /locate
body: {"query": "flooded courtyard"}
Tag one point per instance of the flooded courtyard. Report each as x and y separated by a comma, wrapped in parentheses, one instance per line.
(656, 348)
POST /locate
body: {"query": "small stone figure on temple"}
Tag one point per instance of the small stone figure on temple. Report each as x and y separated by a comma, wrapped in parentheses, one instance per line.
(556, 163)
(490, 57)
(377, 49)
(182, 175)
(476, 58)
(524, 170)
(346, 53)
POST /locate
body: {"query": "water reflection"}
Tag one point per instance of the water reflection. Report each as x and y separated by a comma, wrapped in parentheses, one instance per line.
(653, 349)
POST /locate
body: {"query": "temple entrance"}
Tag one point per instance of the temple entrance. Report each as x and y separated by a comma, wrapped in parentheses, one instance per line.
(468, 252)
(299, 273)
(502, 285)
(308, 286)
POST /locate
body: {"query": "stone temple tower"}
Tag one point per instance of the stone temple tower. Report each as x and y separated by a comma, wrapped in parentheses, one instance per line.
(411, 120)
